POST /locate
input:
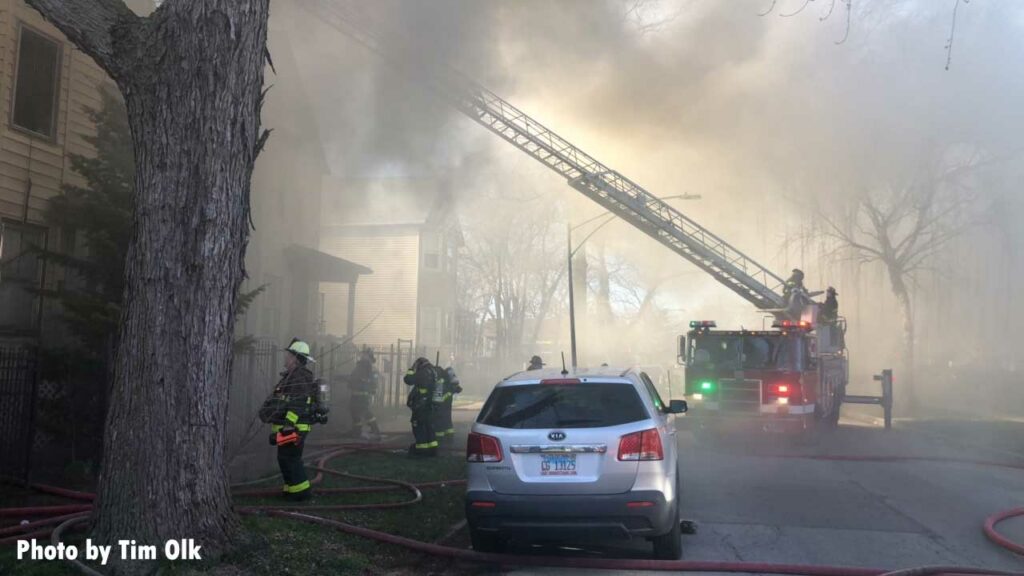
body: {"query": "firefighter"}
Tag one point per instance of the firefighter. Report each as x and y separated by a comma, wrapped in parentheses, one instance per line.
(794, 283)
(830, 309)
(535, 363)
(291, 409)
(363, 386)
(422, 381)
(444, 397)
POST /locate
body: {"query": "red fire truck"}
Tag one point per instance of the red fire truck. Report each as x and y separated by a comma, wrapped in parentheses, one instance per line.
(790, 378)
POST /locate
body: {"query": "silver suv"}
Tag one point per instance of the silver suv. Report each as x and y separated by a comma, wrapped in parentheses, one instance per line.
(574, 457)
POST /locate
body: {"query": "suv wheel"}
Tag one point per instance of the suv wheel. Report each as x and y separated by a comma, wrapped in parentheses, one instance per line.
(486, 542)
(670, 546)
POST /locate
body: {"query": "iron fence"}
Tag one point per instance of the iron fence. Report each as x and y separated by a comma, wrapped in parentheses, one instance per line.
(18, 383)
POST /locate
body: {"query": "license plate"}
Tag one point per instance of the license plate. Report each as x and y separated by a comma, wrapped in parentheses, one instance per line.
(557, 464)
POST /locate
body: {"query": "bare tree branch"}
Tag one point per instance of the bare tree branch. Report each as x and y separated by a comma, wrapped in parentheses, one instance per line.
(952, 33)
(95, 26)
(798, 10)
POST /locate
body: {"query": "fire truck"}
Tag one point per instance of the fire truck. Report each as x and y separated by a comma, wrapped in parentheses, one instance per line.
(809, 383)
(790, 378)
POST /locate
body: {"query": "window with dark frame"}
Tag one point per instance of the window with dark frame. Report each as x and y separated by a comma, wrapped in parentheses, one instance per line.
(35, 84)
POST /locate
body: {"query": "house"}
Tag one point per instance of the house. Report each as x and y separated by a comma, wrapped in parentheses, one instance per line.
(47, 85)
(282, 254)
(405, 230)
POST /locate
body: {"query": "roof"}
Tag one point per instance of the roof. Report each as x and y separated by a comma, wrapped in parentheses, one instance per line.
(384, 201)
(603, 373)
(322, 267)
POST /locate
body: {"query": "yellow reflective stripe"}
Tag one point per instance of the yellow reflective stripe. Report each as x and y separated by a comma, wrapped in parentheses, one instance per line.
(426, 444)
(448, 396)
(300, 487)
(302, 427)
(276, 428)
(432, 444)
(410, 372)
(423, 390)
(441, 433)
(291, 417)
(450, 431)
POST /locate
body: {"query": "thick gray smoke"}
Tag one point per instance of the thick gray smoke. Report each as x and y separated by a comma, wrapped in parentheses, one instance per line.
(768, 118)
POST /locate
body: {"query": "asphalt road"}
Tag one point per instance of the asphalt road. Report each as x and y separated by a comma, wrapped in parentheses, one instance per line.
(752, 505)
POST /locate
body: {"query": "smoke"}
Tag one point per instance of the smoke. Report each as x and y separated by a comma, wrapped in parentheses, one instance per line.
(766, 117)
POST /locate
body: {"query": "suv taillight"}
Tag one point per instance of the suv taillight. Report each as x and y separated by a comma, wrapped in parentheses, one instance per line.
(482, 448)
(645, 445)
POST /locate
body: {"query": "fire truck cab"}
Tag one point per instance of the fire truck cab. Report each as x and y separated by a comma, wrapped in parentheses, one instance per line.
(789, 378)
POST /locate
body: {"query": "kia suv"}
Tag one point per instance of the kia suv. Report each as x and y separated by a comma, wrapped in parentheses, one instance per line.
(572, 457)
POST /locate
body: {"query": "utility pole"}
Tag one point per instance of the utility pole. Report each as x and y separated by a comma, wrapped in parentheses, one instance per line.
(572, 306)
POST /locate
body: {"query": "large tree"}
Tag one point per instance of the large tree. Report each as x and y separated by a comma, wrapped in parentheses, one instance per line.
(903, 221)
(191, 75)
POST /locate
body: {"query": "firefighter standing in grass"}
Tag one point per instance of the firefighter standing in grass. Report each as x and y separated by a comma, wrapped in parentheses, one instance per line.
(363, 386)
(422, 381)
(444, 396)
(290, 410)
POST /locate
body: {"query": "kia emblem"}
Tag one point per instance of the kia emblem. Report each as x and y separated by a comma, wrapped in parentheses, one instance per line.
(556, 436)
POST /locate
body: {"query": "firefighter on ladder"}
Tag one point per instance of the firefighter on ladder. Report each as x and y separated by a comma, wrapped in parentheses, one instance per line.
(291, 409)
(363, 386)
(422, 381)
(444, 396)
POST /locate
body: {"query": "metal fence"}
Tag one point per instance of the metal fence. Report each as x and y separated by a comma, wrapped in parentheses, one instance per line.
(335, 364)
(18, 383)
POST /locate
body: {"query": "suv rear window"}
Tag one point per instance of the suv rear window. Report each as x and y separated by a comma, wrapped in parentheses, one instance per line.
(563, 406)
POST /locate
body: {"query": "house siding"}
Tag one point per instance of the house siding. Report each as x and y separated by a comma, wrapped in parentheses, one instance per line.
(391, 291)
(33, 165)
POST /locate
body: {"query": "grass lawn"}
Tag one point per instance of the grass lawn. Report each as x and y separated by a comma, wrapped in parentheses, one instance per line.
(276, 546)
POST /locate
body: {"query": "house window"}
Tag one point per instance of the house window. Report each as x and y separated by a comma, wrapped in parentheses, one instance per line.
(20, 270)
(431, 251)
(35, 84)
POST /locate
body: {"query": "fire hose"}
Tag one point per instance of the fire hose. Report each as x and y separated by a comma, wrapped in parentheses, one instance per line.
(67, 516)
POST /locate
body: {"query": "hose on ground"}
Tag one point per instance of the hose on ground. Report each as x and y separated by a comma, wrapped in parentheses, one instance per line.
(70, 515)
(997, 538)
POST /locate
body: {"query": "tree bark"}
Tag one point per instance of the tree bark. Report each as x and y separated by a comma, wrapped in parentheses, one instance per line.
(907, 389)
(191, 76)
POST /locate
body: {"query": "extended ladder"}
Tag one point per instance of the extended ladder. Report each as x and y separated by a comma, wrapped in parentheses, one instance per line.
(605, 186)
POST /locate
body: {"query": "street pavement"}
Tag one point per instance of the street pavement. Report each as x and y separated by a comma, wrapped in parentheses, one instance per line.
(754, 501)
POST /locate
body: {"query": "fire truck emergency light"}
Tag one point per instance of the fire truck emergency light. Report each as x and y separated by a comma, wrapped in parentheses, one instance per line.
(707, 386)
(703, 324)
(792, 324)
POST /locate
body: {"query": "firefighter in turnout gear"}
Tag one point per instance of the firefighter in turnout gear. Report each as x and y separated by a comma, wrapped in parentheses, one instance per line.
(535, 363)
(362, 383)
(794, 284)
(830, 309)
(291, 409)
(444, 396)
(422, 381)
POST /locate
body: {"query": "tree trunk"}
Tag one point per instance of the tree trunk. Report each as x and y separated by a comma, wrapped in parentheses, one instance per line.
(191, 76)
(907, 391)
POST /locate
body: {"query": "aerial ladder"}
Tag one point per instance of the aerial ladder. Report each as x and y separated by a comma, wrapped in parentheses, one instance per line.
(610, 189)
